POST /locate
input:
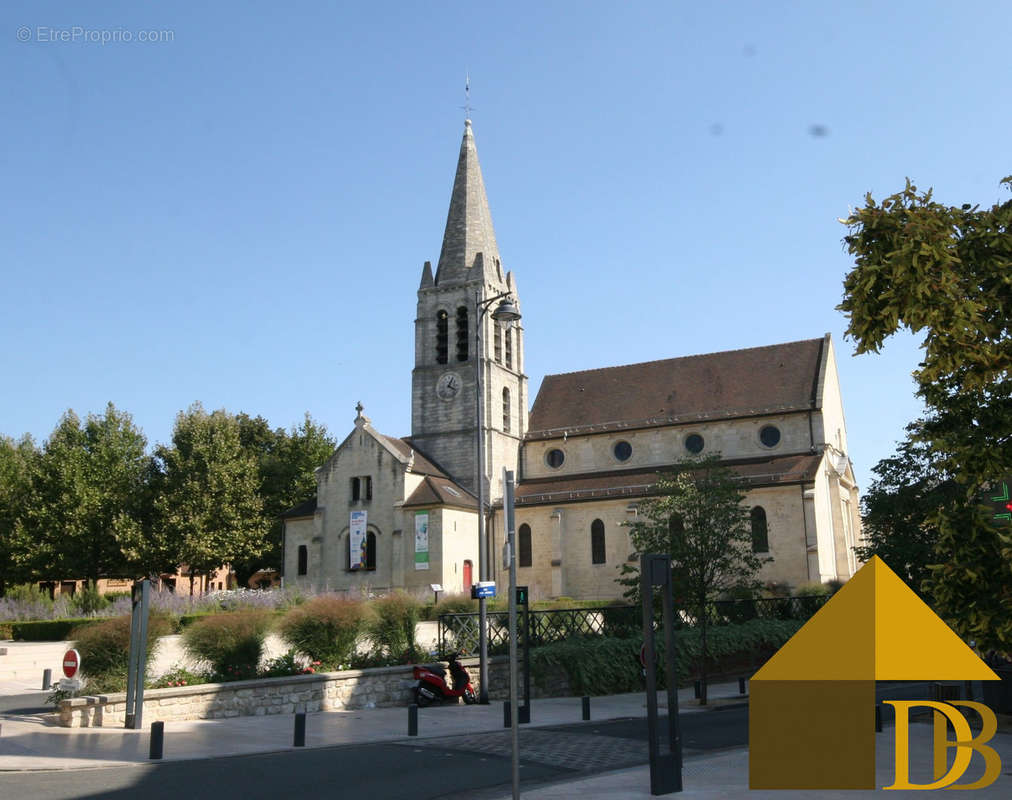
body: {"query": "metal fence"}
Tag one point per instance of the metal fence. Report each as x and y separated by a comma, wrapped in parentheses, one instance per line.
(459, 632)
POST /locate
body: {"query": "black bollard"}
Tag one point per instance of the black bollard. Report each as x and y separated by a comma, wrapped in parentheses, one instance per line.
(300, 730)
(698, 689)
(47, 680)
(586, 707)
(524, 713)
(741, 686)
(157, 740)
(507, 717)
(413, 720)
(878, 718)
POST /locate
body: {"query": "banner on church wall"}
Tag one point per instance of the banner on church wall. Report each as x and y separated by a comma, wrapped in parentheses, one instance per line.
(357, 540)
(421, 540)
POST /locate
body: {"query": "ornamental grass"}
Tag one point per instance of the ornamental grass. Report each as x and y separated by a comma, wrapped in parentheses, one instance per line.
(325, 629)
(231, 643)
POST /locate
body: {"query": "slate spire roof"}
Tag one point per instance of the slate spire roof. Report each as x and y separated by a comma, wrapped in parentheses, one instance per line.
(469, 230)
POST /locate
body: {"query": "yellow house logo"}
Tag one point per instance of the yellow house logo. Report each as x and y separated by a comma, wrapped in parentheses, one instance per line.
(812, 706)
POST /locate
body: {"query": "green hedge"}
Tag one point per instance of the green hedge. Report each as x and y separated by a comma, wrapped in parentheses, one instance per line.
(47, 630)
(605, 665)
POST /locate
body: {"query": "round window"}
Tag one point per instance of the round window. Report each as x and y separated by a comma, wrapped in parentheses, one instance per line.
(555, 458)
(622, 451)
(694, 443)
(770, 435)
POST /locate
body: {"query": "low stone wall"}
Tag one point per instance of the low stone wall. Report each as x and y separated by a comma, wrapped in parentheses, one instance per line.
(325, 691)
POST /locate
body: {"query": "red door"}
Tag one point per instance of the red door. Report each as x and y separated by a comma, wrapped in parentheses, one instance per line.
(467, 577)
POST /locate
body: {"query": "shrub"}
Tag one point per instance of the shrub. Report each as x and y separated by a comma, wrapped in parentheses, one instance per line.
(88, 601)
(456, 604)
(178, 676)
(325, 629)
(49, 630)
(600, 665)
(392, 628)
(290, 663)
(29, 594)
(813, 589)
(776, 589)
(104, 646)
(231, 642)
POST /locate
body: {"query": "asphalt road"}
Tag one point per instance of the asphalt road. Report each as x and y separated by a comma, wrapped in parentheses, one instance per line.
(25, 703)
(425, 769)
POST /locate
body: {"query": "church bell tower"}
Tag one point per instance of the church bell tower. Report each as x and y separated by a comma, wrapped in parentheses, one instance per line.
(444, 412)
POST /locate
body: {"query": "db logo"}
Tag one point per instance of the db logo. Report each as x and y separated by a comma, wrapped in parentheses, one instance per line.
(965, 744)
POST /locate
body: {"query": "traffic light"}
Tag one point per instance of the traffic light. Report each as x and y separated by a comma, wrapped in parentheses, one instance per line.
(521, 595)
(1000, 502)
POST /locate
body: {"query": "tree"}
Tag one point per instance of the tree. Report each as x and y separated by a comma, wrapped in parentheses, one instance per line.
(908, 491)
(697, 517)
(209, 511)
(87, 495)
(286, 462)
(18, 462)
(947, 272)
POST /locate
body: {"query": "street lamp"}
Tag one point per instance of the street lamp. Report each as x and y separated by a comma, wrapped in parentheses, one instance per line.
(507, 313)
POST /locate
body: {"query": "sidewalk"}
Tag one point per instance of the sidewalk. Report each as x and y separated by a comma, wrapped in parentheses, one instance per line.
(29, 743)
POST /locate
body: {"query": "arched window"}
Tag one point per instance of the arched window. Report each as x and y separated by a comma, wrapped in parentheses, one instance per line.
(370, 550)
(303, 559)
(442, 337)
(497, 339)
(524, 546)
(760, 537)
(463, 333)
(506, 410)
(509, 349)
(597, 555)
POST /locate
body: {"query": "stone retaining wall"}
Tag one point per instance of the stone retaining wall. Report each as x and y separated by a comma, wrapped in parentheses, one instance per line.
(326, 691)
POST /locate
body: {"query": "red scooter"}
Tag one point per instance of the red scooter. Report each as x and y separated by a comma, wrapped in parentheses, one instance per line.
(432, 684)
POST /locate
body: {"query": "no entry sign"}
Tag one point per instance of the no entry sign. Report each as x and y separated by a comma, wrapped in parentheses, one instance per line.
(71, 663)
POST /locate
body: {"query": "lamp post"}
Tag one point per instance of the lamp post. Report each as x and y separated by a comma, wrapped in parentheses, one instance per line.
(505, 312)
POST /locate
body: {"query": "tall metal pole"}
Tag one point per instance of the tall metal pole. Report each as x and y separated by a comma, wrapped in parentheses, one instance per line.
(512, 565)
(479, 313)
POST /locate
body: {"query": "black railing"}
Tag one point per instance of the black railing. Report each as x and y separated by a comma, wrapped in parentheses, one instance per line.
(459, 632)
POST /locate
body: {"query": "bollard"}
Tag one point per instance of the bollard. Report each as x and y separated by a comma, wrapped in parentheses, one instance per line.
(586, 707)
(507, 718)
(741, 686)
(524, 712)
(47, 680)
(300, 730)
(413, 720)
(698, 689)
(878, 718)
(157, 740)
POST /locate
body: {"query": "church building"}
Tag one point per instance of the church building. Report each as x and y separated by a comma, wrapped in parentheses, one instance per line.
(403, 512)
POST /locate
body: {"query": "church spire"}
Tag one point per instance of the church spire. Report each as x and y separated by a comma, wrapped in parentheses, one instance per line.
(468, 223)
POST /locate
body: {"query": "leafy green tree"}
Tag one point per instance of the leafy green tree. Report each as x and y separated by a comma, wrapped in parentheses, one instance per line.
(18, 462)
(899, 506)
(87, 495)
(946, 272)
(698, 518)
(208, 508)
(286, 462)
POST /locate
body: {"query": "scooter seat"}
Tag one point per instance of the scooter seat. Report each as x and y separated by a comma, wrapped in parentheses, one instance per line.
(436, 668)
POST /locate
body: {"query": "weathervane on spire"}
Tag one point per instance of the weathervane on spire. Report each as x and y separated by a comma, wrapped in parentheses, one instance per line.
(467, 97)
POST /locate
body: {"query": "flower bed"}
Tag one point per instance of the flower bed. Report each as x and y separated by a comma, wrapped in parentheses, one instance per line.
(323, 691)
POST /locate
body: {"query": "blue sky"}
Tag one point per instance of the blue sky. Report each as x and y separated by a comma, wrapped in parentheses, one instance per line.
(238, 213)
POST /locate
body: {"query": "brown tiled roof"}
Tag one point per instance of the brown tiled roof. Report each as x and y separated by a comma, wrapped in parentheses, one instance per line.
(639, 483)
(306, 509)
(440, 491)
(735, 383)
(421, 465)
